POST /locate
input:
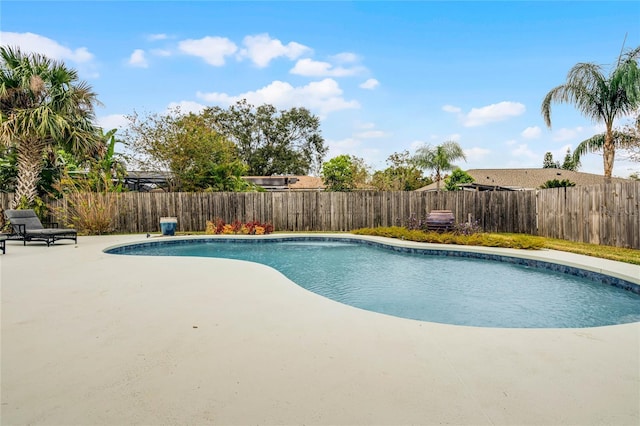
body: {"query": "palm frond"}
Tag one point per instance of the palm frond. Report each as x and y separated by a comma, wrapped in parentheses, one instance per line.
(593, 144)
(621, 140)
(438, 158)
(43, 104)
(600, 98)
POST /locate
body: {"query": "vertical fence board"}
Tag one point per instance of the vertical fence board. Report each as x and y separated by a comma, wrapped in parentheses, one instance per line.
(633, 212)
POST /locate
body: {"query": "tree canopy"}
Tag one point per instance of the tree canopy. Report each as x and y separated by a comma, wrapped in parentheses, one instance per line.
(344, 173)
(599, 97)
(439, 158)
(549, 163)
(199, 157)
(570, 162)
(401, 174)
(458, 176)
(271, 142)
(43, 106)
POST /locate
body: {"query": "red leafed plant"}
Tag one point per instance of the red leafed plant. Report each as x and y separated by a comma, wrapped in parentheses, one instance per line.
(218, 226)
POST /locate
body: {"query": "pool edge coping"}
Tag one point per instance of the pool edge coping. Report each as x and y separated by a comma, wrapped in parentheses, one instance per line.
(623, 271)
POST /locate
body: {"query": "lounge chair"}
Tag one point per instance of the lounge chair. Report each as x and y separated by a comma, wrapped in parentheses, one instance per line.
(27, 227)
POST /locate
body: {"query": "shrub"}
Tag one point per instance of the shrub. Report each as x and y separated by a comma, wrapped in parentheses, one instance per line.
(477, 239)
(218, 226)
(555, 183)
(37, 204)
(89, 213)
(467, 228)
(86, 210)
(417, 223)
(458, 176)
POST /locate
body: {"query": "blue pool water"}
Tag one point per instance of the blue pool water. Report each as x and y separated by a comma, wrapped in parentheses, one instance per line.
(444, 289)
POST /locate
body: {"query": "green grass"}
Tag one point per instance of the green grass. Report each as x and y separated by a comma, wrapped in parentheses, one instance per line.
(620, 254)
(517, 241)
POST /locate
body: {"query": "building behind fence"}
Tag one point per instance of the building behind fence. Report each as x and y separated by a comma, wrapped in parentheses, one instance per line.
(607, 214)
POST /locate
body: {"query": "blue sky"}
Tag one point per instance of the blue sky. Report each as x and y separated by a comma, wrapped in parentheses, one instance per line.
(383, 76)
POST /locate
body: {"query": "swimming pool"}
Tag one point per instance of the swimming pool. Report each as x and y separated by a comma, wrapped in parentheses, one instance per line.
(453, 287)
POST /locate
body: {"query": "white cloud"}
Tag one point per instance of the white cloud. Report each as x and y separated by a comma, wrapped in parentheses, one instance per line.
(344, 146)
(345, 57)
(524, 151)
(323, 96)
(137, 59)
(29, 42)
(565, 134)
(451, 108)
(476, 153)
(113, 121)
(511, 142)
(310, 68)
(492, 113)
(371, 83)
(350, 146)
(160, 52)
(185, 107)
(365, 125)
(416, 144)
(373, 157)
(156, 37)
(262, 49)
(212, 50)
(438, 139)
(531, 132)
(371, 134)
(559, 153)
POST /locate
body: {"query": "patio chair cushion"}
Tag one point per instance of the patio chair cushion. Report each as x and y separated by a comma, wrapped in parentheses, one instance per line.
(27, 227)
(28, 218)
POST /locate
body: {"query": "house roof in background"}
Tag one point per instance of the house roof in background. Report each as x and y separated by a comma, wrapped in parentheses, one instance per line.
(307, 183)
(528, 178)
(284, 183)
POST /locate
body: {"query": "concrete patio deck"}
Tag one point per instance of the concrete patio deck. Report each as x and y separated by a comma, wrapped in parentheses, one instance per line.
(95, 339)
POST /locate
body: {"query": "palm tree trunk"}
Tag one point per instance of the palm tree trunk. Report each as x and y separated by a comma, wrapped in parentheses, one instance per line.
(608, 152)
(29, 168)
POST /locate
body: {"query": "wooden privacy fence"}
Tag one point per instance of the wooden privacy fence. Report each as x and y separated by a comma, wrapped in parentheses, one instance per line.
(314, 211)
(602, 214)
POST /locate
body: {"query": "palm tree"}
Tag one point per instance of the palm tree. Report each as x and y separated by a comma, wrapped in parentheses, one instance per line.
(627, 138)
(438, 158)
(43, 105)
(598, 97)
